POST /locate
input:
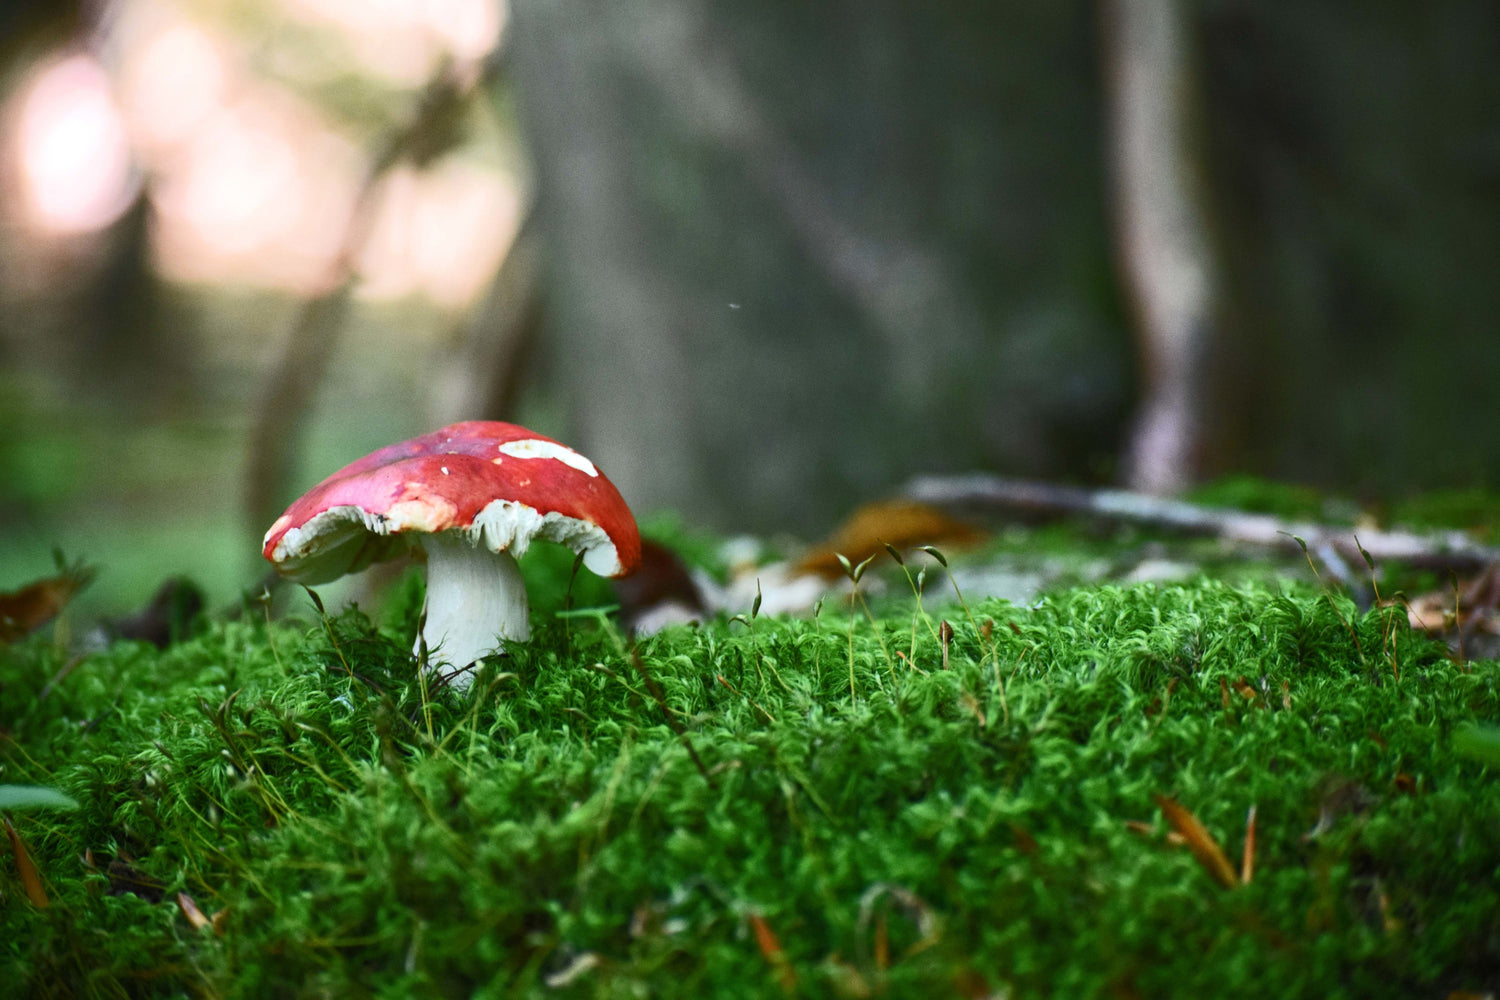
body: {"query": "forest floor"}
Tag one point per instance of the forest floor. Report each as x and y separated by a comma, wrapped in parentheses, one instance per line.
(1160, 768)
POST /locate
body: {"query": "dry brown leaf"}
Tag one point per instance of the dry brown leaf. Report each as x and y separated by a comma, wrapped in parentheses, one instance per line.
(770, 948)
(189, 908)
(902, 524)
(1199, 841)
(662, 579)
(34, 605)
(1432, 612)
(167, 619)
(1247, 857)
(31, 879)
(1474, 608)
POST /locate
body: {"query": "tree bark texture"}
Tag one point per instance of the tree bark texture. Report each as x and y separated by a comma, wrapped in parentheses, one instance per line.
(796, 253)
(1160, 235)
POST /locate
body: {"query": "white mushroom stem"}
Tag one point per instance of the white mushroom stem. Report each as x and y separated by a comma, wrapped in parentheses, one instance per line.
(476, 603)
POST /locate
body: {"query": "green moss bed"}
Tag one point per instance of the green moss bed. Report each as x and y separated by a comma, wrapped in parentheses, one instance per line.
(825, 806)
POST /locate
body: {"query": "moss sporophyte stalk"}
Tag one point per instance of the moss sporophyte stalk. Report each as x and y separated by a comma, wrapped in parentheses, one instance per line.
(963, 801)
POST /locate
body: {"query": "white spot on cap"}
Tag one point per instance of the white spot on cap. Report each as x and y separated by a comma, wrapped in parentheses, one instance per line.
(445, 470)
(533, 448)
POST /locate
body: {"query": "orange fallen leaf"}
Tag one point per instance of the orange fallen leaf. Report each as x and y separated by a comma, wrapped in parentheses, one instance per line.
(31, 879)
(877, 527)
(770, 947)
(1199, 841)
(25, 610)
(1247, 858)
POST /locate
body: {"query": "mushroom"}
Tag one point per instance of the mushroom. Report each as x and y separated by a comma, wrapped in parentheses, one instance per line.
(472, 495)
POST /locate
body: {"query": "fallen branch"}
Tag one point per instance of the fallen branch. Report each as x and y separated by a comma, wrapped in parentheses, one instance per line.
(1448, 550)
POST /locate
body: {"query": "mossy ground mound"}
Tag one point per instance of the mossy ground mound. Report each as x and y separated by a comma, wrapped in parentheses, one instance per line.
(817, 807)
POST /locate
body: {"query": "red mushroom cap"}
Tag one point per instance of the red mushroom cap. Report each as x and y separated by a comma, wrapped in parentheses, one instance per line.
(500, 483)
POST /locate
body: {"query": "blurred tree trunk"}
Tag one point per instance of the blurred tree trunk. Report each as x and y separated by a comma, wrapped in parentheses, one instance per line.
(482, 378)
(1161, 235)
(797, 252)
(291, 388)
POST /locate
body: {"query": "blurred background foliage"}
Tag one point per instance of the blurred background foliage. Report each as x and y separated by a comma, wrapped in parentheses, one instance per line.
(761, 261)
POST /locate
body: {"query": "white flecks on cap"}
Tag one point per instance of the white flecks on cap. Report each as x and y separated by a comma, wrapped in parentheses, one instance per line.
(534, 448)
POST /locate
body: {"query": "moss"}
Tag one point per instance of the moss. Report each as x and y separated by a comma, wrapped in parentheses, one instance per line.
(1262, 496)
(712, 812)
(1473, 510)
